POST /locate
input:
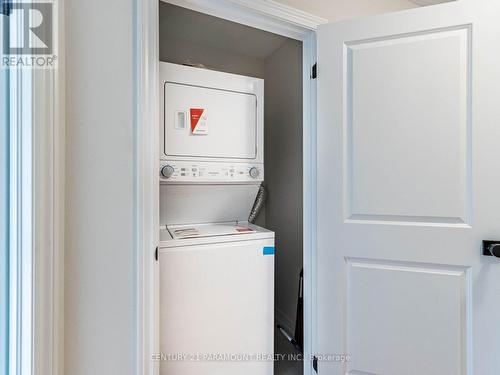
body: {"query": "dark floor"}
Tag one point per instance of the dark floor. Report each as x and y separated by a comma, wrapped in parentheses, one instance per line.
(286, 366)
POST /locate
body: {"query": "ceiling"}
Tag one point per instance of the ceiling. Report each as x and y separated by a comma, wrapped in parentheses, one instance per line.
(337, 10)
(429, 2)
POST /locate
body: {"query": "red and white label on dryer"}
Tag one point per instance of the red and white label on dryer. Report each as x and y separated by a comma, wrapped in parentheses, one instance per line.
(199, 124)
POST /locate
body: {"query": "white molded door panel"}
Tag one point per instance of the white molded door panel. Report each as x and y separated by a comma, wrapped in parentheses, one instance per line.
(408, 187)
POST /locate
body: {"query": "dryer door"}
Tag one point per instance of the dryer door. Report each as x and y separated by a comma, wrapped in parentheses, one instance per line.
(209, 123)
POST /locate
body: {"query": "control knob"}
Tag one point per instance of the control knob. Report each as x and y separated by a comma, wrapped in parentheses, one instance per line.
(254, 172)
(167, 171)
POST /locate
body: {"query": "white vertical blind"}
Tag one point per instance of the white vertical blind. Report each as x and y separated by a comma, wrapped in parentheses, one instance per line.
(16, 208)
(4, 204)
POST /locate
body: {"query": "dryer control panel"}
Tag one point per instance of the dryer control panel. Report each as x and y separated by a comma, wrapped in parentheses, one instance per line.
(210, 172)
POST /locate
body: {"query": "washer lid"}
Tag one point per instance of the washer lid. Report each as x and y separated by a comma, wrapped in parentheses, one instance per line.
(207, 230)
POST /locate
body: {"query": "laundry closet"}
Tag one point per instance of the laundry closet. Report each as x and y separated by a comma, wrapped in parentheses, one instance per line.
(230, 195)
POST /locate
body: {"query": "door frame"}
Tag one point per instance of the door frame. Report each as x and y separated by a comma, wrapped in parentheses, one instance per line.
(39, 113)
(261, 14)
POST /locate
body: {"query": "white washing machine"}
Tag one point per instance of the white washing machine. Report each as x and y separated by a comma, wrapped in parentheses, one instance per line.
(216, 278)
(216, 299)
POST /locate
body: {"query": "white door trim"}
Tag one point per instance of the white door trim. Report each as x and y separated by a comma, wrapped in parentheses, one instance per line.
(48, 218)
(46, 122)
(266, 15)
(146, 183)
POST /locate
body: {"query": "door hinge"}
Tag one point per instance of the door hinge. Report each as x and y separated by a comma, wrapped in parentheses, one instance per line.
(315, 364)
(314, 71)
(156, 253)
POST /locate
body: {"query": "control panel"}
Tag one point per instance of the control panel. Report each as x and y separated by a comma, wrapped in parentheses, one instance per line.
(210, 172)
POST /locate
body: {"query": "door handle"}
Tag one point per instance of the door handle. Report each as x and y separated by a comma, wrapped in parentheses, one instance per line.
(491, 248)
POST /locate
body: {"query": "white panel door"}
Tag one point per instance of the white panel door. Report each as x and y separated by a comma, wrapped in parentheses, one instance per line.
(408, 187)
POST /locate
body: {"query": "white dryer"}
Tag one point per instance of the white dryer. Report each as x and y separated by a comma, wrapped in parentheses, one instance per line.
(216, 299)
(211, 144)
(211, 126)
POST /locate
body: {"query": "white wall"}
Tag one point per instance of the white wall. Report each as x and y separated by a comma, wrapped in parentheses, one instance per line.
(99, 269)
(283, 172)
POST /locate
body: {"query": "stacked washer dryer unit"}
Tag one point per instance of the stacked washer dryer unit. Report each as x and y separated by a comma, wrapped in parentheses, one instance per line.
(216, 269)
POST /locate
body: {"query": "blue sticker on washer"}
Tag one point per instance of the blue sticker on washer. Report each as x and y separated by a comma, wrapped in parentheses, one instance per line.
(268, 250)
